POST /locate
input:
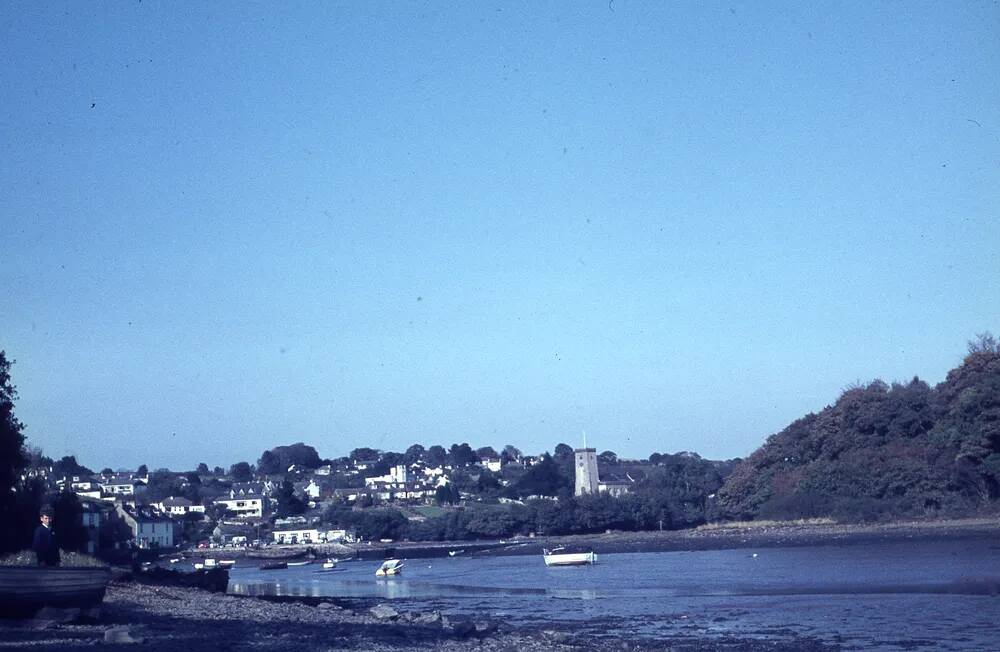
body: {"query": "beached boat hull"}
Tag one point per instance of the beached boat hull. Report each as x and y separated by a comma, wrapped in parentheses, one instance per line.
(26, 589)
(570, 559)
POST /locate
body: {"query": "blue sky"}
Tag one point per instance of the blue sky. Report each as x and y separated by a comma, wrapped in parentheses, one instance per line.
(675, 226)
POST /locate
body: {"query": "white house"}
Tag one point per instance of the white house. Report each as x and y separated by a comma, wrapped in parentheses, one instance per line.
(304, 535)
(397, 475)
(178, 506)
(123, 487)
(248, 506)
(492, 463)
(148, 530)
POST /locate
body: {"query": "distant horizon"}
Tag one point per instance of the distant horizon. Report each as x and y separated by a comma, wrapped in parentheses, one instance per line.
(675, 226)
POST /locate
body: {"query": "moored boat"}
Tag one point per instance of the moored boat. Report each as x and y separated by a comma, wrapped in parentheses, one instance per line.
(274, 565)
(299, 563)
(390, 567)
(563, 556)
(25, 589)
(329, 564)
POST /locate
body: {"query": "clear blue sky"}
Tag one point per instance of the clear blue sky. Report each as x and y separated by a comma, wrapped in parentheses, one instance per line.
(230, 226)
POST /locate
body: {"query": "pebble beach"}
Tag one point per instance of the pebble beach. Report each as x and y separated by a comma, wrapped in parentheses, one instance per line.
(143, 617)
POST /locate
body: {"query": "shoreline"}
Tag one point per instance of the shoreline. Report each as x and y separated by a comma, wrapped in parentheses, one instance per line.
(158, 616)
(725, 537)
(719, 537)
(142, 616)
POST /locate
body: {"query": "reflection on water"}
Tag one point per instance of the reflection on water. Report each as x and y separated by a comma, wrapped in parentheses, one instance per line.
(884, 596)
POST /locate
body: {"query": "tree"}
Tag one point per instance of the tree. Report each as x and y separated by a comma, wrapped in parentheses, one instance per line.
(281, 458)
(608, 458)
(143, 470)
(107, 471)
(68, 467)
(446, 494)
(12, 458)
(269, 464)
(436, 456)
(288, 503)
(984, 343)
(414, 453)
(543, 479)
(218, 471)
(364, 454)
(487, 452)
(202, 468)
(512, 452)
(67, 523)
(241, 472)
(462, 455)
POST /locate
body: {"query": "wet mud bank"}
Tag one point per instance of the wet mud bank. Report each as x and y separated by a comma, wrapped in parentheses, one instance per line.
(142, 616)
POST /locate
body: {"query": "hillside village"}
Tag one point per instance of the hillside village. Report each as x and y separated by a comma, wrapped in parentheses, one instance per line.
(300, 503)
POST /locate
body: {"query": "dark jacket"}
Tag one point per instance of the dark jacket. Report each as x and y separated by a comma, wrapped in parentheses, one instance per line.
(45, 547)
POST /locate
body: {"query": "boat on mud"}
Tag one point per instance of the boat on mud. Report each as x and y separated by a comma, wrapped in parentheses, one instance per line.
(390, 567)
(565, 556)
(26, 589)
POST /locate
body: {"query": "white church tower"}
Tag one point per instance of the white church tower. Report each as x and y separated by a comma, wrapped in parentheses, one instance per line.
(586, 471)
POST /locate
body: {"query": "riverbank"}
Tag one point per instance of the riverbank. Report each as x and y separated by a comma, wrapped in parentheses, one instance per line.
(772, 534)
(720, 537)
(136, 616)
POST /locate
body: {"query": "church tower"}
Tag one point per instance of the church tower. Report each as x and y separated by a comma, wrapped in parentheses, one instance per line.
(586, 471)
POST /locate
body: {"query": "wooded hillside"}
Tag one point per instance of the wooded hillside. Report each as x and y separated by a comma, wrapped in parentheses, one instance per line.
(883, 451)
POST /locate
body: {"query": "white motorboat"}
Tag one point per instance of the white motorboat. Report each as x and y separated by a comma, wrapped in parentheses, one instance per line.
(390, 567)
(563, 556)
(329, 564)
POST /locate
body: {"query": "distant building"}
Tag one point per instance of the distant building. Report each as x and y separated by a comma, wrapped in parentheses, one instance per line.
(586, 471)
(398, 475)
(248, 506)
(178, 506)
(494, 464)
(587, 479)
(148, 529)
(123, 486)
(301, 535)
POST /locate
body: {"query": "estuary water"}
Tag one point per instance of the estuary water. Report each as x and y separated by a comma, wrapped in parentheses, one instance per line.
(933, 595)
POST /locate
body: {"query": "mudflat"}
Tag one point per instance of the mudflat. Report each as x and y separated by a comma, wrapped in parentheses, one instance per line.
(139, 616)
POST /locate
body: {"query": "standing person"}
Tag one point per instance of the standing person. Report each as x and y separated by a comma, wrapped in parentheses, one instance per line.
(44, 543)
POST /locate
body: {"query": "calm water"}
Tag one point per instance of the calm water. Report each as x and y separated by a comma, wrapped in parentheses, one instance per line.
(927, 595)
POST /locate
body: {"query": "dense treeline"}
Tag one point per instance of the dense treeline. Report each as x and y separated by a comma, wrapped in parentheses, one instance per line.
(673, 494)
(883, 452)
